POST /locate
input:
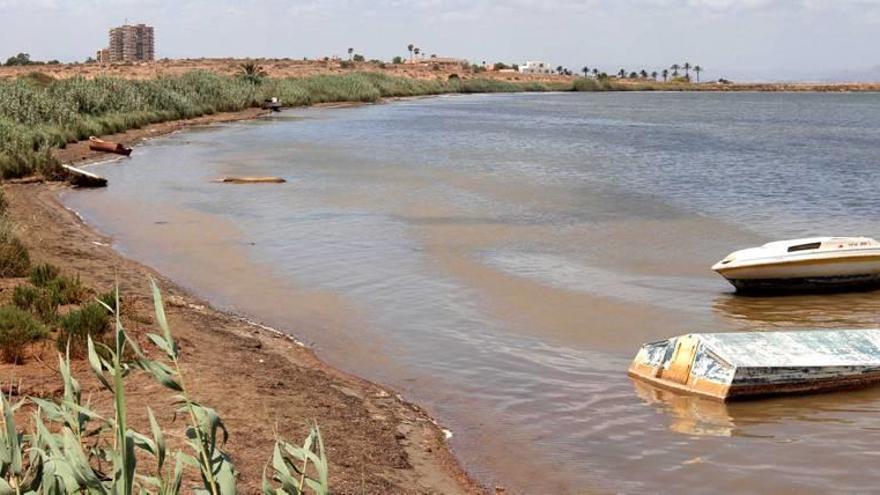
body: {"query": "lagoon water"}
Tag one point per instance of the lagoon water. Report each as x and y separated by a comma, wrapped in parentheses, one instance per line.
(499, 258)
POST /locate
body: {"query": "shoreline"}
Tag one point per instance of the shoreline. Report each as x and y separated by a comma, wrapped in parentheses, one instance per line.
(402, 448)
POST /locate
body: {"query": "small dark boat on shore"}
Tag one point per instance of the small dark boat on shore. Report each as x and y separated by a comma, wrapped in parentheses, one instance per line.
(96, 144)
(81, 178)
(272, 104)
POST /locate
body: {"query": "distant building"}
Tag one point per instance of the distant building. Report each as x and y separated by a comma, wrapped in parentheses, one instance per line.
(103, 55)
(440, 61)
(535, 67)
(131, 43)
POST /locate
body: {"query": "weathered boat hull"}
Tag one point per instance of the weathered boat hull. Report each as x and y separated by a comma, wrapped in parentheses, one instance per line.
(860, 282)
(758, 364)
(82, 178)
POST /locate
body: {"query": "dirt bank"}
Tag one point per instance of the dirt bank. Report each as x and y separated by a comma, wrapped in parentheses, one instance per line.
(259, 381)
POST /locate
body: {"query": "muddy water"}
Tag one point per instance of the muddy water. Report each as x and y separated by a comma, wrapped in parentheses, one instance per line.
(498, 259)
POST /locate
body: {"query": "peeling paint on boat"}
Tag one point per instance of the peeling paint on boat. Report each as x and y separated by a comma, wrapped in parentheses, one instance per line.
(736, 365)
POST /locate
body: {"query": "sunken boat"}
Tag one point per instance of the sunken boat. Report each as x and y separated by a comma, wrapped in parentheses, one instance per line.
(818, 264)
(741, 365)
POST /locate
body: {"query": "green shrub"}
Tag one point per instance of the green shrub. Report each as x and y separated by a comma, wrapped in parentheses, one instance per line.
(14, 258)
(44, 273)
(18, 328)
(38, 301)
(75, 327)
(66, 290)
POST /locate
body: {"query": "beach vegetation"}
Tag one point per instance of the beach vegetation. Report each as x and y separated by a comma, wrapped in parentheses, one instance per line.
(397, 60)
(92, 320)
(43, 274)
(70, 447)
(38, 301)
(252, 72)
(18, 329)
(14, 258)
(39, 114)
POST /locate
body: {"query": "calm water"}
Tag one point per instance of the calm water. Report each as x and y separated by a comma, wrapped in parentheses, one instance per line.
(499, 258)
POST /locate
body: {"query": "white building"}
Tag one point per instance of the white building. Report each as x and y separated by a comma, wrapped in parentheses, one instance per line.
(535, 67)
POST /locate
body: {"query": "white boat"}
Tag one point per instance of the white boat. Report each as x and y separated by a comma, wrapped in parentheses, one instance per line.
(812, 264)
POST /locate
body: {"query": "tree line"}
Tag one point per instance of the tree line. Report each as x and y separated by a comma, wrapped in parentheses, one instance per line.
(674, 72)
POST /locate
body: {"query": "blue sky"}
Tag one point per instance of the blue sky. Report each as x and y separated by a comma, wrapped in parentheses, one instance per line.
(740, 39)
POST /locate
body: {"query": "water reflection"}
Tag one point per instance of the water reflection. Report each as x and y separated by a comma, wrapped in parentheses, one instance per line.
(852, 310)
(693, 415)
(689, 414)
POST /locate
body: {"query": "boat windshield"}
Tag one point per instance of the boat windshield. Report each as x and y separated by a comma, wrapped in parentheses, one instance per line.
(804, 247)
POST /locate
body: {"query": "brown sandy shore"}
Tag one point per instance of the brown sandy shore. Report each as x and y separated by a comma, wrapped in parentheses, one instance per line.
(259, 380)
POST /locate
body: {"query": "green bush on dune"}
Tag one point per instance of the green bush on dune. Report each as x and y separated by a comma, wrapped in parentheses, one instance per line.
(18, 328)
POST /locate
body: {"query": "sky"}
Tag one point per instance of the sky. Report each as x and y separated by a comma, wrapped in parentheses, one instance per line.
(737, 39)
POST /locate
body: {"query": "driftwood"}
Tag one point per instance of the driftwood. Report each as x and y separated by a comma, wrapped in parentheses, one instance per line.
(80, 178)
(250, 180)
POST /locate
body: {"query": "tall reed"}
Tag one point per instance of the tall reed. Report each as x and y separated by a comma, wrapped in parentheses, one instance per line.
(37, 115)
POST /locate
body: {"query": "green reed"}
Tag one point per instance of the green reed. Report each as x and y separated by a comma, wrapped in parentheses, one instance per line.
(71, 448)
(38, 115)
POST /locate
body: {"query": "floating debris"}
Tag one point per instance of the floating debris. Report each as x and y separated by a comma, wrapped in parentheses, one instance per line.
(250, 180)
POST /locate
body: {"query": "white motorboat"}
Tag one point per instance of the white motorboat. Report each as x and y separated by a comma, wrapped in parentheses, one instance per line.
(812, 264)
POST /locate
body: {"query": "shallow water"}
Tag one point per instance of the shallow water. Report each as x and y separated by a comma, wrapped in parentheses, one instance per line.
(499, 258)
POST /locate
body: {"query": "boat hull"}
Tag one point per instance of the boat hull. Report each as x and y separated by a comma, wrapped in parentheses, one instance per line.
(807, 275)
(108, 147)
(768, 383)
(864, 282)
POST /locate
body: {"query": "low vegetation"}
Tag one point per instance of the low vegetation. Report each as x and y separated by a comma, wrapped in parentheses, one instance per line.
(39, 113)
(18, 329)
(72, 448)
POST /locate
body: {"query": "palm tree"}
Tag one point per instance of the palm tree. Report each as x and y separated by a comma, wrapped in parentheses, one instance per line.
(350, 52)
(586, 70)
(417, 50)
(595, 72)
(252, 72)
(644, 74)
(621, 73)
(697, 70)
(559, 69)
(665, 75)
(654, 75)
(675, 68)
(410, 48)
(687, 70)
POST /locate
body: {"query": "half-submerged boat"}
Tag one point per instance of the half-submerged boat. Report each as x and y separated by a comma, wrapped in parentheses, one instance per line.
(82, 178)
(813, 264)
(727, 366)
(96, 144)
